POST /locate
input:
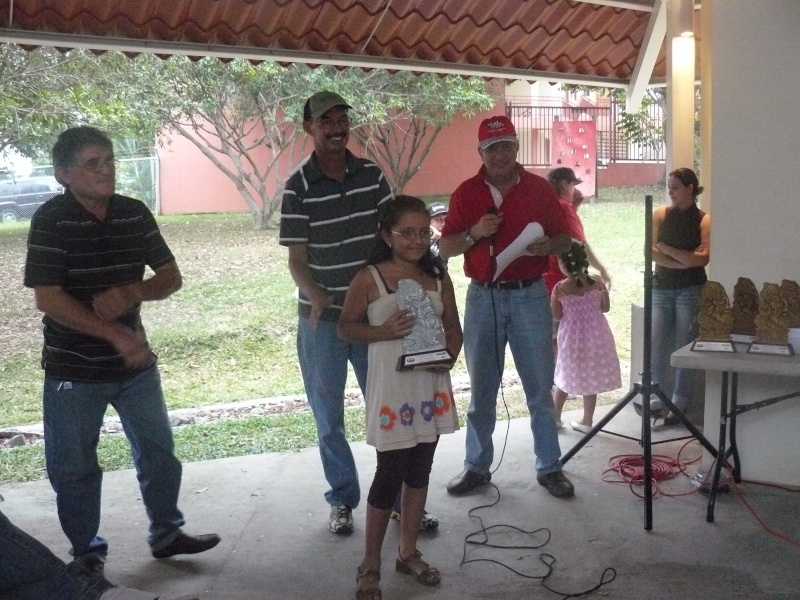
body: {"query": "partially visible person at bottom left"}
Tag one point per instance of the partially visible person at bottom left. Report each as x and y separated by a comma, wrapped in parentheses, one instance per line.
(30, 571)
(407, 411)
(88, 249)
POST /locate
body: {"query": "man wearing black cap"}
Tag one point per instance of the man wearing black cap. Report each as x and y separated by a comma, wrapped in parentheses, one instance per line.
(328, 222)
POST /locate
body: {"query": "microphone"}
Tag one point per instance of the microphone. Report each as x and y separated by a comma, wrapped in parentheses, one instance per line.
(492, 210)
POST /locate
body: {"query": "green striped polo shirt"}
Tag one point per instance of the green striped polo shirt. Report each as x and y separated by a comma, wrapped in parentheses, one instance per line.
(336, 220)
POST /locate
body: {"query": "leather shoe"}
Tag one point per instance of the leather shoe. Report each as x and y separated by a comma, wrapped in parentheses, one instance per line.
(557, 484)
(187, 544)
(467, 481)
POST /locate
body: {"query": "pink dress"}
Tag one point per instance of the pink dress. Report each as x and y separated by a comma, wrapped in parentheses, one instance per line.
(587, 360)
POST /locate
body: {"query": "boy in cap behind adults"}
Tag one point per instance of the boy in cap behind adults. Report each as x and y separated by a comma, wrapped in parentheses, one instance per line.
(438, 213)
(565, 182)
(486, 214)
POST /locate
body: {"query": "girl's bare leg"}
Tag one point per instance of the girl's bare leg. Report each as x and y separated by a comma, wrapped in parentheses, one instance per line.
(559, 399)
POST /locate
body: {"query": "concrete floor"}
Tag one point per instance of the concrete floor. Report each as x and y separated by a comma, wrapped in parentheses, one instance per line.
(272, 518)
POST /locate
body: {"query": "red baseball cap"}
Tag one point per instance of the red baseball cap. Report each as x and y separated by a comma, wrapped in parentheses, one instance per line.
(496, 129)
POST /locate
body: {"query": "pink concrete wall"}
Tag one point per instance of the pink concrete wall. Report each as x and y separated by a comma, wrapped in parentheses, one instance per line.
(630, 174)
(453, 158)
(191, 183)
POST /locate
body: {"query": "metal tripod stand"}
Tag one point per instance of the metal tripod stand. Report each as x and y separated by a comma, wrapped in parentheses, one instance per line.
(646, 388)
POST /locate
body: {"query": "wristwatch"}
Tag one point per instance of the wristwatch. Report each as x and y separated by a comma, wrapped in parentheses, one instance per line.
(469, 239)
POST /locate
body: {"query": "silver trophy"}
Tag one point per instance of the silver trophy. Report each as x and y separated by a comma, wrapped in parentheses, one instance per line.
(424, 347)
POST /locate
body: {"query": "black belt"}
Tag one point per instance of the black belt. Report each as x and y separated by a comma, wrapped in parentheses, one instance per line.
(511, 284)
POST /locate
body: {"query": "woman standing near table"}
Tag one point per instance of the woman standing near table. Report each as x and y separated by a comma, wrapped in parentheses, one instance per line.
(681, 247)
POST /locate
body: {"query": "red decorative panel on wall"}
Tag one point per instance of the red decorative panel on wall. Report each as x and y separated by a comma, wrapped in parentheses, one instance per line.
(574, 145)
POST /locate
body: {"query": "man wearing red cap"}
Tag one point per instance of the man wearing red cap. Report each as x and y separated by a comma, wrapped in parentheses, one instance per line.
(487, 214)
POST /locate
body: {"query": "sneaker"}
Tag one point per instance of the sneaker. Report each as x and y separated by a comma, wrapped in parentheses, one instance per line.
(557, 484)
(341, 520)
(429, 520)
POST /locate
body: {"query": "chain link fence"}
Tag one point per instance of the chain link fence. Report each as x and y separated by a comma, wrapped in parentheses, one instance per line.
(136, 177)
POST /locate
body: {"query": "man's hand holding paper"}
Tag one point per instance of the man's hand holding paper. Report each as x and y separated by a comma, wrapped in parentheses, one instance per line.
(531, 241)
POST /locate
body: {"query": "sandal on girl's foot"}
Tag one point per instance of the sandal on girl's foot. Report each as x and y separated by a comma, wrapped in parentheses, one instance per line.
(370, 591)
(416, 567)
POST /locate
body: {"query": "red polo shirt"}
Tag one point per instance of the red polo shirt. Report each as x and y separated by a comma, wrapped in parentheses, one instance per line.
(531, 200)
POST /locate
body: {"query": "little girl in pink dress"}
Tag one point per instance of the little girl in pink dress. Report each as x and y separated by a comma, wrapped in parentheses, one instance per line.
(587, 362)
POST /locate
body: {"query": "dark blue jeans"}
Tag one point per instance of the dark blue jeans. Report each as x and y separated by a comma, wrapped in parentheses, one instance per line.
(29, 571)
(73, 416)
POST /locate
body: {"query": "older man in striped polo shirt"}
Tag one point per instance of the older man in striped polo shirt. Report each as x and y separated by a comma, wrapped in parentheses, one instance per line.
(88, 250)
(328, 222)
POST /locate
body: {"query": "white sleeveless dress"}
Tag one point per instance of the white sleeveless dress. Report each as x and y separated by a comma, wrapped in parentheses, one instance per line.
(404, 408)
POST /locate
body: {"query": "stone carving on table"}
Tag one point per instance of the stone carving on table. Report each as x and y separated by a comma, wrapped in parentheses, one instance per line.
(745, 307)
(772, 322)
(715, 317)
(424, 347)
(791, 294)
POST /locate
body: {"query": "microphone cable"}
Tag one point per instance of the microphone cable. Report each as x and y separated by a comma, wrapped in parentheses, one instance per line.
(481, 537)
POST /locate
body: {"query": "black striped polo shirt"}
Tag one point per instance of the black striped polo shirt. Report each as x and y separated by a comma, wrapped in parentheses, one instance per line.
(336, 220)
(71, 248)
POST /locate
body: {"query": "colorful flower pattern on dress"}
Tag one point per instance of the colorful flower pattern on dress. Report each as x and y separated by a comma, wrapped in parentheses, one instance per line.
(442, 403)
(427, 410)
(406, 415)
(387, 418)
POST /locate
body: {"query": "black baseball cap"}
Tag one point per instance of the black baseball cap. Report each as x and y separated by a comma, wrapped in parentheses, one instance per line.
(437, 208)
(563, 174)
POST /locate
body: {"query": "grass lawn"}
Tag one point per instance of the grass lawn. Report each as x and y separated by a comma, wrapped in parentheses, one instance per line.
(229, 334)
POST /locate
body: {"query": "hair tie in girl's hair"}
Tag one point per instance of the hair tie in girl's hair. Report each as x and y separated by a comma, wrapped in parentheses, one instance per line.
(576, 260)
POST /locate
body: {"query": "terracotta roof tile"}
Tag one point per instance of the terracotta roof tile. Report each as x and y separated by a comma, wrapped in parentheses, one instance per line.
(551, 36)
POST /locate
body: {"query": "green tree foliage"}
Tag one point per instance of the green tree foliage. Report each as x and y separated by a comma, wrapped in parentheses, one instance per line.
(46, 91)
(402, 113)
(245, 117)
(242, 116)
(37, 91)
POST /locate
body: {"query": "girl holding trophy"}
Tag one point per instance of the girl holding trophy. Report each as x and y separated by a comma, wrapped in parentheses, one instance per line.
(407, 408)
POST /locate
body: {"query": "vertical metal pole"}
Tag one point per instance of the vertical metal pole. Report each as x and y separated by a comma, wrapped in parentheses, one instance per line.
(646, 358)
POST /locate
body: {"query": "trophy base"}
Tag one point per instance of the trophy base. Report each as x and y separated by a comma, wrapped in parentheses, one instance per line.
(427, 359)
(773, 349)
(713, 346)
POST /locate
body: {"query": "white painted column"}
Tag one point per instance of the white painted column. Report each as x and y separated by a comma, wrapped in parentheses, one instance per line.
(680, 86)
